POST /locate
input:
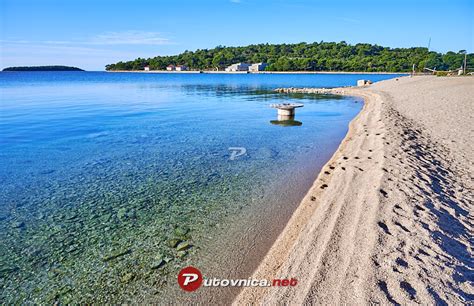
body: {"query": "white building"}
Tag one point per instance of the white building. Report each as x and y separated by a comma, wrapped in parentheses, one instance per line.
(258, 67)
(170, 68)
(238, 67)
(146, 68)
(181, 68)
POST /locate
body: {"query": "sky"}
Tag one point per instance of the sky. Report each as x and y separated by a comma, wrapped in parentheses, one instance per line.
(92, 33)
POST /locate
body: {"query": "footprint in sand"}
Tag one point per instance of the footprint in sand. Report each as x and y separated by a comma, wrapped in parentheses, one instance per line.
(423, 252)
(383, 286)
(384, 227)
(409, 289)
(401, 262)
(419, 207)
(402, 227)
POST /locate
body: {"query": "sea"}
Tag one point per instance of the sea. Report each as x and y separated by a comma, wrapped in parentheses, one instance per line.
(110, 183)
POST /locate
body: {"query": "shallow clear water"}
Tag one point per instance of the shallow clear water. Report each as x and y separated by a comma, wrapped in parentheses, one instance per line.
(101, 173)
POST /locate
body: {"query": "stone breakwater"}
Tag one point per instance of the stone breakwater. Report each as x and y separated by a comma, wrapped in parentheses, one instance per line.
(324, 91)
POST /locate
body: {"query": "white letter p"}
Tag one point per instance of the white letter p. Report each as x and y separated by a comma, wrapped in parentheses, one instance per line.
(189, 278)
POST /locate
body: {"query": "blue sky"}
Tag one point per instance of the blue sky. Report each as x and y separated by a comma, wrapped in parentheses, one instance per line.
(92, 33)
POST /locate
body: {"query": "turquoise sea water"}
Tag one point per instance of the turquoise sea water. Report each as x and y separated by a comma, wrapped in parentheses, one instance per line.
(111, 182)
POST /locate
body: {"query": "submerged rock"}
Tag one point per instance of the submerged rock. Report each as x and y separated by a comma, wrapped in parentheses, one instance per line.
(72, 249)
(174, 242)
(71, 216)
(127, 277)
(116, 254)
(49, 171)
(181, 231)
(158, 263)
(8, 269)
(122, 214)
(182, 254)
(18, 224)
(183, 246)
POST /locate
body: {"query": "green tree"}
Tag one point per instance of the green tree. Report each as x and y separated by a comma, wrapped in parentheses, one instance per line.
(317, 56)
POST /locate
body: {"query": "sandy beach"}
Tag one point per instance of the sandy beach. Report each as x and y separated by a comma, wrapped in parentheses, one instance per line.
(389, 218)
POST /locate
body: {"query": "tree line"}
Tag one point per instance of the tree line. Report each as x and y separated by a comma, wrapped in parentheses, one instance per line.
(317, 56)
(42, 68)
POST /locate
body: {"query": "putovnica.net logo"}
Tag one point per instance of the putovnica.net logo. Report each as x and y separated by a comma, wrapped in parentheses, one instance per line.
(190, 279)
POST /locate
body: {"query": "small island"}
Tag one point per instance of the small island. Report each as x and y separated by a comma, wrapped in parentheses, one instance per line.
(42, 68)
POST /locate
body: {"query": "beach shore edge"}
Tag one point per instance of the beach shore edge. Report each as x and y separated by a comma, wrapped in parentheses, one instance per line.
(366, 230)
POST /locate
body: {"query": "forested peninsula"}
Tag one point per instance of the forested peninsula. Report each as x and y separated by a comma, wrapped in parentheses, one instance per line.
(317, 56)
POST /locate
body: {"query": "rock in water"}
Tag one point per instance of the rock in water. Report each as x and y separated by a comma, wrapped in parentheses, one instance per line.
(18, 224)
(184, 246)
(116, 254)
(173, 242)
(182, 254)
(127, 277)
(122, 214)
(158, 263)
(181, 231)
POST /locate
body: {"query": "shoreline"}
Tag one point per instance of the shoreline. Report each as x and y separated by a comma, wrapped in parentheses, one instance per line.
(252, 232)
(366, 230)
(279, 253)
(248, 72)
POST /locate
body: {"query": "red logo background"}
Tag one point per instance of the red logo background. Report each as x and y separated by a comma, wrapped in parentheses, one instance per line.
(191, 286)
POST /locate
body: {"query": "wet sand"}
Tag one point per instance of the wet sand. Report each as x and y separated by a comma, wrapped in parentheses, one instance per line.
(390, 217)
